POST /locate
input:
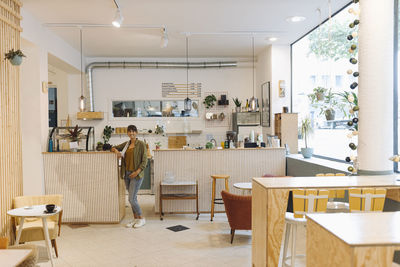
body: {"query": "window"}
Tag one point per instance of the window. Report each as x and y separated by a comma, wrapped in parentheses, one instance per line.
(320, 61)
(153, 108)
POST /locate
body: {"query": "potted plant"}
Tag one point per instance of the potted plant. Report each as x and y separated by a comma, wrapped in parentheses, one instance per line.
(318, 93)
(306, 130)
(74, 134)
(238, 103)
(158, 145)
(108, 130)
(328, 104)
(209, 101)
(15, 57)
(99, 146)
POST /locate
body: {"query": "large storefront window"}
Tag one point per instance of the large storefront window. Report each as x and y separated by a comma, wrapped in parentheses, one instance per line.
(321, 84)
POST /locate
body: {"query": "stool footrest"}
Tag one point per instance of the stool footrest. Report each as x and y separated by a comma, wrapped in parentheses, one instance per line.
(218, 201)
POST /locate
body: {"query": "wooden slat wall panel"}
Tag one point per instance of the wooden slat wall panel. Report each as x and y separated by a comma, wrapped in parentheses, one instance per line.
(10, 131)
(89, 183)
(241, 164)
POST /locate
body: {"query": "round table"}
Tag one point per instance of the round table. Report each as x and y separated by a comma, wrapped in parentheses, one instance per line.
(245, 187)
(37, 211)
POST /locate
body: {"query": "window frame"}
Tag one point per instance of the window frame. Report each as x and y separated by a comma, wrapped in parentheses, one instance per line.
(291, 71)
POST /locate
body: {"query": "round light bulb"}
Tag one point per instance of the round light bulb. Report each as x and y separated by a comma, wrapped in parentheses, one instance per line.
(349, 71)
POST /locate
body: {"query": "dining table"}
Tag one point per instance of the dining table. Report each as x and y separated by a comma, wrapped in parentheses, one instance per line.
(13, 257)
(352, 239)
(269, 204)
(36, 211)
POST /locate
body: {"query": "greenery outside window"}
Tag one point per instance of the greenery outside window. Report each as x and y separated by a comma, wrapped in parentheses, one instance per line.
(320, 61)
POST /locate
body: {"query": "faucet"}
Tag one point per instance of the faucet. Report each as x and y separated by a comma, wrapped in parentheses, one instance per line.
(214, 142)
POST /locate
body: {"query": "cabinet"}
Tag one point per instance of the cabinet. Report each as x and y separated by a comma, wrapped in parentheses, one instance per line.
(245, 119)
(286, 128)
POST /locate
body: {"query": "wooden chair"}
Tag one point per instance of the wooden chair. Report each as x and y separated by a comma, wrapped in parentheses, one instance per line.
(238, 211)
(335, 206)
(33, 229)
(304, 201)
(367, 199)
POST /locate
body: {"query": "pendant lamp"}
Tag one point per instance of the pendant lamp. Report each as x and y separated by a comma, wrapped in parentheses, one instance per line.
(187, 102)
(82, 100)
(253, 100)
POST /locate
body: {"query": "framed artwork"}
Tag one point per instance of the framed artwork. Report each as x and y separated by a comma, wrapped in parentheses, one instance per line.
(282, 88)
(266, 104)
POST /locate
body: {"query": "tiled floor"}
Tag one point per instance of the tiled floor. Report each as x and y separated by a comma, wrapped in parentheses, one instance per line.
(204, 244)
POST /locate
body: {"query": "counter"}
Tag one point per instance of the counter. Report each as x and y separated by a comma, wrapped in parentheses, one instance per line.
(190, 165)
(90, 184)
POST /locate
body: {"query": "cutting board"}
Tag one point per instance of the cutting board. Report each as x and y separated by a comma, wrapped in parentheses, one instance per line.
(176, 141)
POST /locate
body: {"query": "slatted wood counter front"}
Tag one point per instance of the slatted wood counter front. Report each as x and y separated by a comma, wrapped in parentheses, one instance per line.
(90, 184)
(191, 165)
(352, 239)
(269, 204)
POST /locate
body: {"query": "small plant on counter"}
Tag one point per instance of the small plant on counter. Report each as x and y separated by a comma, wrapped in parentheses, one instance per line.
(108, 130)
(158, 145)
(209, 101)
(237, 102)
(74, 134)
(99, 146)
(15, 57)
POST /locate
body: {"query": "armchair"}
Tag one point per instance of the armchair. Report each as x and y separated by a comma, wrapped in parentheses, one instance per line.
(238, 211)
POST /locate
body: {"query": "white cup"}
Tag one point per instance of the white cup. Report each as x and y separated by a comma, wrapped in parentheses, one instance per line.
(276, 143)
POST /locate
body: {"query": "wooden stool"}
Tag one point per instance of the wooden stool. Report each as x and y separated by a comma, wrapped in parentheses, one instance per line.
(216, 200)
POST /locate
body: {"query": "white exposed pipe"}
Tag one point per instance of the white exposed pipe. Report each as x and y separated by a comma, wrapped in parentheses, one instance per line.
(149, 65)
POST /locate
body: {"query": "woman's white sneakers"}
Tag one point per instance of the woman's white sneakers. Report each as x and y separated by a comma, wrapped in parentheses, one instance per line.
(136, 223)
(139, 223)
(131, 224)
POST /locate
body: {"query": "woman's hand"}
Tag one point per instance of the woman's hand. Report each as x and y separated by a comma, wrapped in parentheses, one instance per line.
(134, 174)
(114, 150)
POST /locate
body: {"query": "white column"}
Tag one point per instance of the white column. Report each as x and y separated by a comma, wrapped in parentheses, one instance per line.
(375, 143)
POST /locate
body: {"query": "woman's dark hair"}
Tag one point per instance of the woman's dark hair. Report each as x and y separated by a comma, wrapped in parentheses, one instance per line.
(132, 128)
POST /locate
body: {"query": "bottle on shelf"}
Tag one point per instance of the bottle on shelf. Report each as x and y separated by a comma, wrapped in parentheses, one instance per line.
(247, 105)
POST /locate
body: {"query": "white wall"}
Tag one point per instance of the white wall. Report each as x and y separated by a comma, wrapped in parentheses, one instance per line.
(145, 84)
(37, 42)
(31, 119)
(274, 65)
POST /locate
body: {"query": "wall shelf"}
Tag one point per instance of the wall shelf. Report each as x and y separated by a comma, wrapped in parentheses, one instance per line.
(90, 115)
(167, 133)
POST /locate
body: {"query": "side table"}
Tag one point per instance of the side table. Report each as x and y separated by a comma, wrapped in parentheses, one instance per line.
(175, 196)
(37, 211)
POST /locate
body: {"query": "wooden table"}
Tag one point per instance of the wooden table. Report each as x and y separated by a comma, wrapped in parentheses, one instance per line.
(13, 257)
(270, 201)
(352, 239)
(37, 211)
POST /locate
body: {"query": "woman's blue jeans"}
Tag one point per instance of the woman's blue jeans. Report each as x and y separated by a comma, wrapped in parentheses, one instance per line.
(133, 186)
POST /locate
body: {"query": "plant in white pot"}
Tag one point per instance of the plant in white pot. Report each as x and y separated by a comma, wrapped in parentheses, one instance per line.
(306, 131)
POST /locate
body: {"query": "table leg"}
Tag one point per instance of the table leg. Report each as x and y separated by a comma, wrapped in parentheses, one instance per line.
(21, 224)
(47, 239)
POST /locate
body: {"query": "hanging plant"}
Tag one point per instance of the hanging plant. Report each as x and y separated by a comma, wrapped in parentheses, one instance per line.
(209, 101)
(15, 57)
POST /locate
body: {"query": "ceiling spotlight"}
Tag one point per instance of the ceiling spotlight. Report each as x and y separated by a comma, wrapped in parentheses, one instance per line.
(118, 19)
(164, 38)
(272, 39)
(295, 19)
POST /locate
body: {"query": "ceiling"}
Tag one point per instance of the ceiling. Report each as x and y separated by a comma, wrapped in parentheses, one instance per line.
(214, 17)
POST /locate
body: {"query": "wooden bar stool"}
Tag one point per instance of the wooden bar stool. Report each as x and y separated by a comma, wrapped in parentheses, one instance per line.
(217, 200)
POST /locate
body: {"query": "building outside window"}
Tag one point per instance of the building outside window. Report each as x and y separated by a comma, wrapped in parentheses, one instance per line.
(320, 59)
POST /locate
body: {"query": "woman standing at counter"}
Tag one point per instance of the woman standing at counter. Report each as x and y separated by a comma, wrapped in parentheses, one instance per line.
(134, 161)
